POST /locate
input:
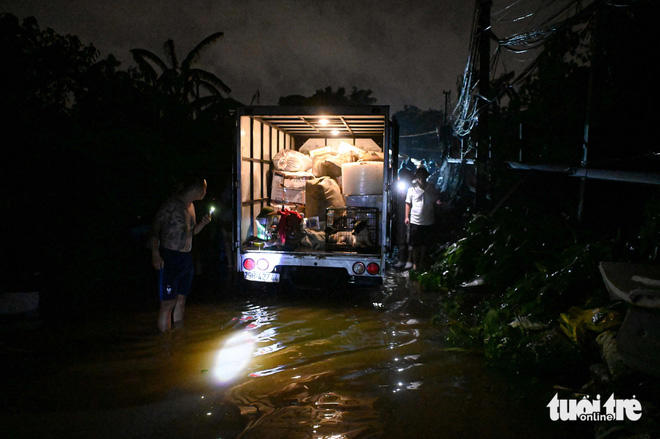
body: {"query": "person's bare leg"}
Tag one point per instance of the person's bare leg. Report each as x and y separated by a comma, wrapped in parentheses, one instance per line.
(179, 309)
(165, 315)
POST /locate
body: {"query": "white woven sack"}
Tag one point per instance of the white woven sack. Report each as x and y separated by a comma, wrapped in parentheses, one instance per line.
(292, 161)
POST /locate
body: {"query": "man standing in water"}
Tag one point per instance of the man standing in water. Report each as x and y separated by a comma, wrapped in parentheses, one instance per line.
(171, 243)
(420, 199)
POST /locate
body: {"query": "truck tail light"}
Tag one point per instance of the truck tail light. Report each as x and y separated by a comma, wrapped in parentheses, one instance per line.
(373, 268)
(248, 264)
(358, 268)
(262, 264)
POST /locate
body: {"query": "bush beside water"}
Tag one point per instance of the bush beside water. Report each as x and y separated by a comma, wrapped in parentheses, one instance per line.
(512, 274)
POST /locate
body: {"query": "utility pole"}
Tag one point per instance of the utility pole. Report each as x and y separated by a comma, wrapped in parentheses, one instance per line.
(446, 93)
(483, 138)
(443, 138)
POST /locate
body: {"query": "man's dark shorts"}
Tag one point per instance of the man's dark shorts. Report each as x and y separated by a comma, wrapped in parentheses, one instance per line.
(420, 235)
(176, 276)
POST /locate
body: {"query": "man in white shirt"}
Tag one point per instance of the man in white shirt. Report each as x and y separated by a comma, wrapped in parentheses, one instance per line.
(420, 201)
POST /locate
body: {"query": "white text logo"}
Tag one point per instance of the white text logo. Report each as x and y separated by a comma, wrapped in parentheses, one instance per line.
(591, 410)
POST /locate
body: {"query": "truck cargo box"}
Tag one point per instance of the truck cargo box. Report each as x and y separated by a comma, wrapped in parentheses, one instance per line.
(332, 140)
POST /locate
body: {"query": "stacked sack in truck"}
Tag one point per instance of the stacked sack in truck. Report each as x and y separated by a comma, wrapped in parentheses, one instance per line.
(328, 160)
(323, 171)
(322, 192)
(290, 177)
(291, 161)
(371, 156)
(331, 163)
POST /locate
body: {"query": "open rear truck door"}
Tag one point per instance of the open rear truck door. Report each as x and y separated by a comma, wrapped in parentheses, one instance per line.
(350, 235)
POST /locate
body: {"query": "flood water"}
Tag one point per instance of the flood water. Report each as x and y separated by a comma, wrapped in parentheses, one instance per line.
(355, 364)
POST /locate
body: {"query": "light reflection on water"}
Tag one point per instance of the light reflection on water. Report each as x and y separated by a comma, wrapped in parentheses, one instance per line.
(268, 369)
(234, 356)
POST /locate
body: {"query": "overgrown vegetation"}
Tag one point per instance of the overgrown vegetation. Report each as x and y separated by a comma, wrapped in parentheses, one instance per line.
(511, 276)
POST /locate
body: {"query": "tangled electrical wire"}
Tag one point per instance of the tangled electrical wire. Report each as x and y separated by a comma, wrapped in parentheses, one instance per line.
(470, 103)
(466, 113)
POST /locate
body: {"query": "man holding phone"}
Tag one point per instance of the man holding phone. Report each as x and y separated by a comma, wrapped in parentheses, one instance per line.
(171, 244)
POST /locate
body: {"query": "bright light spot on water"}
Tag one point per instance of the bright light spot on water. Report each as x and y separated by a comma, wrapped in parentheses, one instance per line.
(208, 413)
(296, 377)
(234, 356)
(202, 396)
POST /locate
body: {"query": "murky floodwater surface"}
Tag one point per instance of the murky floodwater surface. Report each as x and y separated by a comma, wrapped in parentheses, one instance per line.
(264, 366)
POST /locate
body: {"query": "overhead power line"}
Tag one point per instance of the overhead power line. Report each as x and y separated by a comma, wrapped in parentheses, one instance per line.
(420, 134)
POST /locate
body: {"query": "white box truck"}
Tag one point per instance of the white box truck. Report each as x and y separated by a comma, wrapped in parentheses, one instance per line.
(262, 132)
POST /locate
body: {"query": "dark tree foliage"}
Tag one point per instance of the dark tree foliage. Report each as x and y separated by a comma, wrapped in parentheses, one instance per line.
(414, 120)
(43, 69)
(181, 90)
(90, 159)
(111, 96)
(40, 80)
(330, 97)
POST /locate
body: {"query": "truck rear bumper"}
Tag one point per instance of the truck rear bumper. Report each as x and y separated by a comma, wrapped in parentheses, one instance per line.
(269, 261)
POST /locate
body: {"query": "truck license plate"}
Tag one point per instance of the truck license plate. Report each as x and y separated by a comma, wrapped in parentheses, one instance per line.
(261, 277)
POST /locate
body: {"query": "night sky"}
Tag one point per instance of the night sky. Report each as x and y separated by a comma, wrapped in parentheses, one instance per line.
(406, 52)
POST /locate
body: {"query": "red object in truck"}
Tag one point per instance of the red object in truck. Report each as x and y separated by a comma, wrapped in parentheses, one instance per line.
(289, 225)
